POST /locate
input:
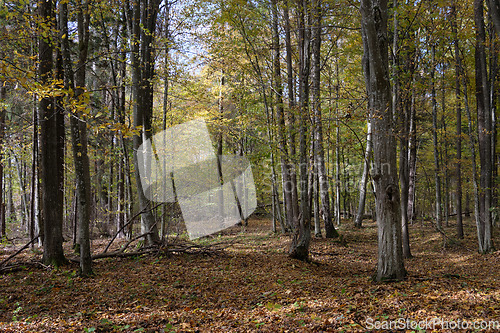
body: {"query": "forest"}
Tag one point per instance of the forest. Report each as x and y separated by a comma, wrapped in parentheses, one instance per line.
(249, 165)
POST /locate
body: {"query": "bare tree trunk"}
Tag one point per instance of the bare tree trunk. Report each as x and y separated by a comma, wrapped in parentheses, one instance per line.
(299, 248)
(120, 115)
(374, 32)
(280, 115)
(3, 97)
(337, 157)
(444, 152)
(166, 102)
(364, 177)
(292, 187)
(484, 128)
(437, 169)
(79, 128)
(34, 180)
(460, 228)
(472, 146)
(143, 26)
(412, 157)
(319, 151)
(50, 166)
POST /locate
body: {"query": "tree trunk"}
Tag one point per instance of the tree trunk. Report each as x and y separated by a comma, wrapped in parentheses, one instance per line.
(437, 170)
(79, 129)
(3, 97)
(291, 120)
(472, 146)
(280, 115)
(319, 151)
(50, 166)
(358, 222)
(143, 28)
(34, 180)
(484, 128)
(460, 228)
(374, 27)
(337, 155)
(299, 248)
(412, 160)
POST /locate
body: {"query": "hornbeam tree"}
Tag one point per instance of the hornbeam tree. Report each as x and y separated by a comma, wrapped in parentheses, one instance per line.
(376, 67)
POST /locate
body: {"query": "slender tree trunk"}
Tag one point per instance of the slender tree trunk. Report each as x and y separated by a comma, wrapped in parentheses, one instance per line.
(445, 156)
(374, 28)
(3, 97)
(484, 128)
(123, 157)
(34, 179)
(299, 248)
(319, 151)
(364, 177)
(458, 166)
(437, 169)
(292, 187)
(280, 115)
(337, 155)
(472, 146)
(220, 193)
(404, 177)
(166, 102)
(412, 160)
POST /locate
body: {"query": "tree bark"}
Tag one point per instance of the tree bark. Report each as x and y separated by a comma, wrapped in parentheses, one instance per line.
(319, 151)
(458, 107)
(143, 26)
(484, 128)
(358, 222)
(280, 115)
(299, 248)
(291, 119)
(437, 170)
(76, 82)
(50, 166)
(374, 26)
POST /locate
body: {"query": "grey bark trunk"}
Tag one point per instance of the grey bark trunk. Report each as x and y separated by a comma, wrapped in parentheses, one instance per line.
(374, 26)
(358, 222)
(299, 248)
(280, 115)
(319, 151)
(291, 120)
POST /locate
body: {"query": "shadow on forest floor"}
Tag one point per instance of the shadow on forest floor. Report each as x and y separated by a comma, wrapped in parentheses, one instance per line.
(252, 285)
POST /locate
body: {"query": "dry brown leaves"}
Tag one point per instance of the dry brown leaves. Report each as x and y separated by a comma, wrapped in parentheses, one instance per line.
(253, 286)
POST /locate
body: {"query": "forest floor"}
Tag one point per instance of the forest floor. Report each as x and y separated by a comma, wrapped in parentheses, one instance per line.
(251, 285)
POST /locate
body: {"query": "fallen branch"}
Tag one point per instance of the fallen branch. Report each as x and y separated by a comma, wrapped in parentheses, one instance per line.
(19, 251)
(22, 265)
(128, 222)
(120, 254)
(124, 247)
